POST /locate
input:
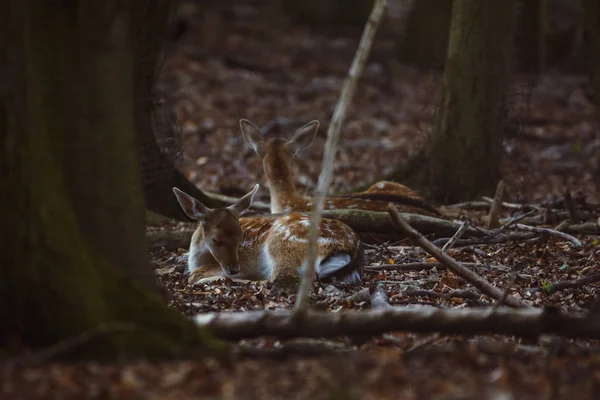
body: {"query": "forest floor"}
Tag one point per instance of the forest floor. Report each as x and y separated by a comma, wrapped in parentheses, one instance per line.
(285, 75)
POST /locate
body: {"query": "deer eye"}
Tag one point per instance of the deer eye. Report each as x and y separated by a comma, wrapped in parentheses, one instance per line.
(217, 242)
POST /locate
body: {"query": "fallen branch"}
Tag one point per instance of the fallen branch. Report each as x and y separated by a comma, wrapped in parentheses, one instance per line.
(576, 243)
(524, 322)
(490, 239)
(541, 219)
(417, 266)
(452, 264)
(587, 228)
(576, 283)
(381, 222)
(475, 205)
(463, 294)
(514, 206)
(333, 134)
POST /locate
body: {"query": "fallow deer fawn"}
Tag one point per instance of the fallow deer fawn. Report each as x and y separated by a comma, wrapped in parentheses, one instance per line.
(266, 247)
(277, 155)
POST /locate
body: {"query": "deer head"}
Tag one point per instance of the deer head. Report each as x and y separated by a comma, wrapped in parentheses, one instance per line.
(219, 232)
(277, 154)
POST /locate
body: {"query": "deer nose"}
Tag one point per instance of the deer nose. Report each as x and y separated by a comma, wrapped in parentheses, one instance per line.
(233, 268)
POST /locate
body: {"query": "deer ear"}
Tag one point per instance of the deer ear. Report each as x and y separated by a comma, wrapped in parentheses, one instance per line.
(253, 136)
(304, 136)
(190, 206)
(245, 202)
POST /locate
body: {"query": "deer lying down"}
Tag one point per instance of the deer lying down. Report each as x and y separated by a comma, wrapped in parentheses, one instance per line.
(266, 247)
(277, 155)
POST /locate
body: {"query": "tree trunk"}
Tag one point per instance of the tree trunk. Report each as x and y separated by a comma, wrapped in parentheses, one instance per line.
(424, 42)
(462, 155)
(75, 257)
(592, 59)
(592, 45)
(159, 174)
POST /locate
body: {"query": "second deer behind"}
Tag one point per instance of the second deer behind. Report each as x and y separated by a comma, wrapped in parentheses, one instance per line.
(277, 155)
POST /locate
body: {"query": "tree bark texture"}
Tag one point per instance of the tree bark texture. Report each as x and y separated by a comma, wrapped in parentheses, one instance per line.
(75, 256)
(462, 155)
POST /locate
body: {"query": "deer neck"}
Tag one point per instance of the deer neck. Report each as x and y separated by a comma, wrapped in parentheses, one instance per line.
(281, 177)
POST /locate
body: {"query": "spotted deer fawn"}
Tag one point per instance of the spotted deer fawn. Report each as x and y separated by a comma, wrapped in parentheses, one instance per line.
(266, 247)
(277, 155)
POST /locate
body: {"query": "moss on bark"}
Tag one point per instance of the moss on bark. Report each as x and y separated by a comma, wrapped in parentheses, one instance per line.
(72, 210)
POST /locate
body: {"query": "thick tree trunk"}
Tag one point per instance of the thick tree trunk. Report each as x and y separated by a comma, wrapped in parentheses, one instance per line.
(462, 156)
(159, 175)
(74, 253)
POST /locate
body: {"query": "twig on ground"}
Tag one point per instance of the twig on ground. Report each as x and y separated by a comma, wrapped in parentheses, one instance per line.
(418, 266)
(543, 218)
(463, 294)
(576, 283)
(333, 135)
(456, 236)
(514, 220)
(494, 215)
(490, 239)
(525, 322)
(450, 263)
(515, 206)
(471, 205)
(576, 243)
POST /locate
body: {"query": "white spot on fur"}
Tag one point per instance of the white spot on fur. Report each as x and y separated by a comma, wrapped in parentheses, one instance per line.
(266, 263)
(381, 185)
(194, 258)
(325, 240)
(295, 238)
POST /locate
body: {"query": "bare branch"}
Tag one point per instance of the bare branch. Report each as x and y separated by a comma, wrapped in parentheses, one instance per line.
(525, 322)
(576, 243)
(450, 263)
(333, 135)
(456, 236)
(557, 286)
(416, 266)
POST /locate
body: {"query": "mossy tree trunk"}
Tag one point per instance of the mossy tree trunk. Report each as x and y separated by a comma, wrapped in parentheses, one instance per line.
(462, 155)
(74, 254)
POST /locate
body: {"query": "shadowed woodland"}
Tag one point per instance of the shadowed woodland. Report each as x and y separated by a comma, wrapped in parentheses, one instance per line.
(448, 151)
